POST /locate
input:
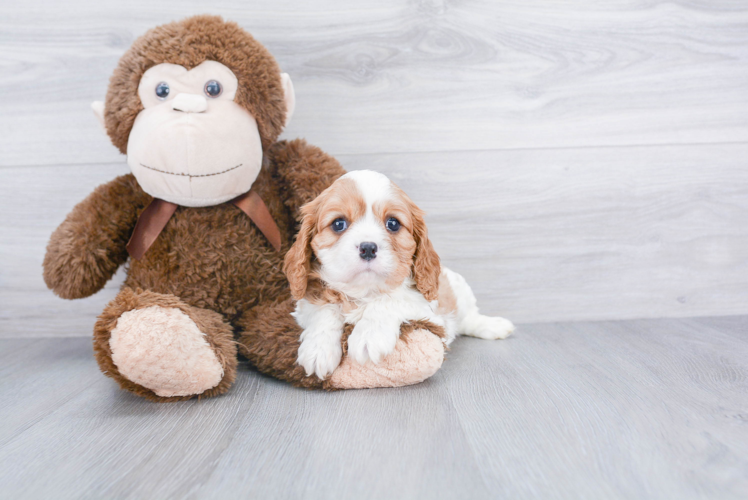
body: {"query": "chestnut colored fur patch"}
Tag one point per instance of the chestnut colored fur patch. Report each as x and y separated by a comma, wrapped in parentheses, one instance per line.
(317, 292)
(447, 298)
(342, 199)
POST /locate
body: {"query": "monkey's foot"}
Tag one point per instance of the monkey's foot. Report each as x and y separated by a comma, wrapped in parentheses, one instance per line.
(162, 349)
(411, 362)
(158, 347)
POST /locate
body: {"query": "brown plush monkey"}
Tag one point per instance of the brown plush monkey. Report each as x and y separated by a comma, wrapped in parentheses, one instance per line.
(206, 215)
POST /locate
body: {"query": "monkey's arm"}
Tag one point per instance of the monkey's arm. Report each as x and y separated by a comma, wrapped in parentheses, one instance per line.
(85, 251)
(305, 170)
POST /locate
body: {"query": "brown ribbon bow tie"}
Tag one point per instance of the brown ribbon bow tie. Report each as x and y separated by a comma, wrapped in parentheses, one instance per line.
(154, 218)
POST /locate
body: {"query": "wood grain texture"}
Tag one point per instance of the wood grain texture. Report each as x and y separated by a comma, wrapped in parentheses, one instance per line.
(637, 409)
(33, 202)
(396, 76)
(541, 235)
(592, 233)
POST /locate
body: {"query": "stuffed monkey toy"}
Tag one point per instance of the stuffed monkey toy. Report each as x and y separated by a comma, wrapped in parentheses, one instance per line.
(204, 221)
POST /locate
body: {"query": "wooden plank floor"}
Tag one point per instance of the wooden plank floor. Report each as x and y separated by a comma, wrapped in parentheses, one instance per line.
(633, 409)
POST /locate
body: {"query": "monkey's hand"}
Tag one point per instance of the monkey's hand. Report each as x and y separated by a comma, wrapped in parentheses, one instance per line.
(85, 251)
(305, 169)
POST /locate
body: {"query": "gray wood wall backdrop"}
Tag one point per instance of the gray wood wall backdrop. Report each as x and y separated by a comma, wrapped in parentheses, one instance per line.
(578, 160)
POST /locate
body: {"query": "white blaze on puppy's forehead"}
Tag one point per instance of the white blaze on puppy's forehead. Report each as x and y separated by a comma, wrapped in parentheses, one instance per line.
(372, 185)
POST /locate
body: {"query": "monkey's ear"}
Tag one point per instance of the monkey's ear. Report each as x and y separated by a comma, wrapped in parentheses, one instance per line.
(289, 97)
(98, 109)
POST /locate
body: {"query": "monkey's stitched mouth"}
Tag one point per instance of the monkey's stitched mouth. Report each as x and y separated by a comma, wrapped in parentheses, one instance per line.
(190, 175)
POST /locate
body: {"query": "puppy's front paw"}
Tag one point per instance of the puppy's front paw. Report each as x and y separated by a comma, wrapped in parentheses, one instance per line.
(372, 341)
(319, 354)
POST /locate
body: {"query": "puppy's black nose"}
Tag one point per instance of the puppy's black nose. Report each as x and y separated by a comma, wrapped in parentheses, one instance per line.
(367, 250)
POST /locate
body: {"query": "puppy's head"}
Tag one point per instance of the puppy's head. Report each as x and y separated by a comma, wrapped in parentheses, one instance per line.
(367, 236)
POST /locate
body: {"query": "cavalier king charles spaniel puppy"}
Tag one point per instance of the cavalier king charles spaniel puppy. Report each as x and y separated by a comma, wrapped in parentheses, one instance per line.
(363, 257)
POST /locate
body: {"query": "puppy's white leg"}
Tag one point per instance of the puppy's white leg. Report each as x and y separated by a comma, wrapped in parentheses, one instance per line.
(376, 332)
(470, 321)
(320, 351)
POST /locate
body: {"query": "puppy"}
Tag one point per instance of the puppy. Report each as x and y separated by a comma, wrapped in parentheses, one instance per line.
(363, 257)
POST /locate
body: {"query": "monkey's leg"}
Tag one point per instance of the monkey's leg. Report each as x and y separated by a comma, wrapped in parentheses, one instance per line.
(269, 338)
(158, 347)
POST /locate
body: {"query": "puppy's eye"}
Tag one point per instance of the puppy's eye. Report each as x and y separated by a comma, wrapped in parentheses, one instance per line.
(213, 88)
(162, 90)
(393, 224)
(339, 225)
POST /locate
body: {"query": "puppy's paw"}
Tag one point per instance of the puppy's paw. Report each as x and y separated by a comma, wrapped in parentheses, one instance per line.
(319, 354)
(489, 328)
(372, 341)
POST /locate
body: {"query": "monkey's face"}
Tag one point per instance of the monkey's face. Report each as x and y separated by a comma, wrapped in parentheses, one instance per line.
(192, 144)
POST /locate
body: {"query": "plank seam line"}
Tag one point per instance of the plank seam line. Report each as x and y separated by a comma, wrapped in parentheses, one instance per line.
(385, 153)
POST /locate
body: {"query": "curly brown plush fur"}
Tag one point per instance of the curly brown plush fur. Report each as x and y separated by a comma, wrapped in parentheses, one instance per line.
(269, 338)
(99, 223)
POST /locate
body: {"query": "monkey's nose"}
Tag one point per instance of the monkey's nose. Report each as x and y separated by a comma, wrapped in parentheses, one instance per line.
(367, 250)
(189, 103)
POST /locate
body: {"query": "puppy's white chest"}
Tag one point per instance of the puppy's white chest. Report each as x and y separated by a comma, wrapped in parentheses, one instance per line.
(404, 303)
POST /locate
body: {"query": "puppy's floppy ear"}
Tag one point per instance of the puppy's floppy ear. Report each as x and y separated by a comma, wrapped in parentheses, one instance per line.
(426, 265)
(298, 262)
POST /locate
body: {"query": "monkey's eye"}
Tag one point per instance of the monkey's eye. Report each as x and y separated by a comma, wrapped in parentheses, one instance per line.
(339, 225)
(393, 224)
(162, 90)
(213, 88)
